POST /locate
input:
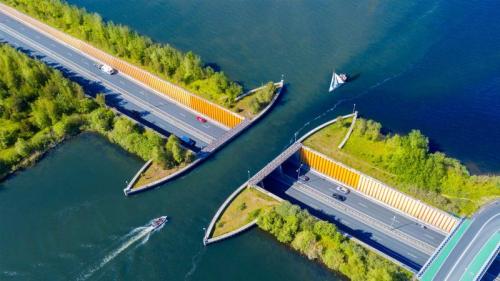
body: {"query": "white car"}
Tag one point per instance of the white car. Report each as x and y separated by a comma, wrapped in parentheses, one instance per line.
(106, 69)
(343, 189)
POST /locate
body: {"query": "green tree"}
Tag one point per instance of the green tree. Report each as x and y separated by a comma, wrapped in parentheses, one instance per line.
(174, 146)
(101, 100)
(23, 148)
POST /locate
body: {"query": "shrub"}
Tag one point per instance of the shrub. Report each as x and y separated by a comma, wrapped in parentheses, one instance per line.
(323, 242)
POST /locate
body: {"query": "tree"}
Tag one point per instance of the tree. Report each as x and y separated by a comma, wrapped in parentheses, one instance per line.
(174, 146)
(23, 148)
(101, 119)
(101, 100)
(304, 241)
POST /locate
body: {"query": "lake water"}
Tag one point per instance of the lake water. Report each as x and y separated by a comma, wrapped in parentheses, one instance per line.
(431, 65)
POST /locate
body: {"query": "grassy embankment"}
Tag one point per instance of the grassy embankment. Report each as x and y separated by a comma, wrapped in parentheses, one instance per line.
(252, 104)
(163, 60)
(155, 172)
(405, 162)
(39, 108)
(246, 207)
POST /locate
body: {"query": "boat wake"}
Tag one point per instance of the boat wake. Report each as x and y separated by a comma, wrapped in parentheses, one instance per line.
(341, 101)
(138, 234)
(194, 263)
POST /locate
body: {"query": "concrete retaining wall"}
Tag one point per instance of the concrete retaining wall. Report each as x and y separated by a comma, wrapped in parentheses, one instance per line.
(173, 92)
(379, 191)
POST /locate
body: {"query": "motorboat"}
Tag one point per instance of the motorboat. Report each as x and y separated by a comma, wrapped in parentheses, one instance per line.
(337, 80)
(158, 222)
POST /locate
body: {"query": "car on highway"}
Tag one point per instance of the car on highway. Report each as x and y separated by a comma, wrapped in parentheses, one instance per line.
(342, 189)
(338, 197)
(303, 178)
(187, 140)
(135, 113)
(105, 68)
(201, 119)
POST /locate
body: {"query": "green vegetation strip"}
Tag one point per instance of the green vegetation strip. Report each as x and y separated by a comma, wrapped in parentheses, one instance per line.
(406, 163)
(445, 252)
(245, 208)
(320, 240)
(482, 257)
(184, 69)
(40, 108)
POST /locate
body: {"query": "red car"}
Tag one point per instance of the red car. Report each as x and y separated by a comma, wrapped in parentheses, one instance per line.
(201, 119)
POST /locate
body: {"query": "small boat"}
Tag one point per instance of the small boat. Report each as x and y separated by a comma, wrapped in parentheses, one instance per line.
(158, 222)
(337, 80)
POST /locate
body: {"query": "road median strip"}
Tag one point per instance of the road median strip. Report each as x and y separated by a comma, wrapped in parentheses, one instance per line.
(364, 218)
(172, 120)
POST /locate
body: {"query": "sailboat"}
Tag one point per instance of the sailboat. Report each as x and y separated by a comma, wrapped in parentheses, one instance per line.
(337, 80)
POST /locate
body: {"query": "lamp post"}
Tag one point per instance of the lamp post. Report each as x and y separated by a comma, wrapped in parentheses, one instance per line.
(298, 170)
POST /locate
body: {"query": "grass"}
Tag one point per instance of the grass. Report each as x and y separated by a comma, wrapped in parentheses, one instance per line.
(244, 105)
(242, 210)
(327, 139)
(155, 172)
(371, 157)
(358, 152)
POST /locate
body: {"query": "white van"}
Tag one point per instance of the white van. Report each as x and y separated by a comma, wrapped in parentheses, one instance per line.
(106, 69)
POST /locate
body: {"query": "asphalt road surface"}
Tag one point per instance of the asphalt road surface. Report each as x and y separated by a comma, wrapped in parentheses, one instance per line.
(484, 224)
(389, 216)
(288, 187)
(129, 97)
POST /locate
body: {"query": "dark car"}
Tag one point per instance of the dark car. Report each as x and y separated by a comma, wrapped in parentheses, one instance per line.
(187, 140)
(135, 113)
(338, 197)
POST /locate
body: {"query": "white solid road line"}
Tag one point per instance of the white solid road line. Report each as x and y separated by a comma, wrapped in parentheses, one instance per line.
(468, 246)
(161, 95)
(181, 125)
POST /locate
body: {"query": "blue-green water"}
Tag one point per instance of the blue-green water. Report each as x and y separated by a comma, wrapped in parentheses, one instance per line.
(431, 65)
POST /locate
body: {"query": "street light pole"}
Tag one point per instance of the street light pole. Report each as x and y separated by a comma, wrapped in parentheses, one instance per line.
(298, 171)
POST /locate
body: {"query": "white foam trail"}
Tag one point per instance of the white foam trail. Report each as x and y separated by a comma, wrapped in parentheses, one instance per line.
(133, 236)
(194, 263)
(341, 101)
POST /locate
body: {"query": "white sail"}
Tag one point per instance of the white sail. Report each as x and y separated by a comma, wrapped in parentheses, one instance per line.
(336, 82)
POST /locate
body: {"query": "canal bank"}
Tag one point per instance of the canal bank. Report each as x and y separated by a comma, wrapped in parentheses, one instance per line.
(208, 150)
(232, 122)
(431, 87)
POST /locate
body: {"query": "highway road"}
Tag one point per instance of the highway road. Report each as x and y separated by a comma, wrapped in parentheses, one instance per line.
(126, 95)
(374, 209)
(322, 207)
(484, 225)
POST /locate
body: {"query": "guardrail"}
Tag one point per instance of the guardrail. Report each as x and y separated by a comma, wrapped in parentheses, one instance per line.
(439, 248)
(364, 218)
(172, 91)
(271, 166)
(378, 191)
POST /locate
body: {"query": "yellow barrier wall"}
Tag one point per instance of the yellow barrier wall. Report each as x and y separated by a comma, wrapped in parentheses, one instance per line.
(328, 167)
(406, 203)
(377, 190)
(175, 92)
